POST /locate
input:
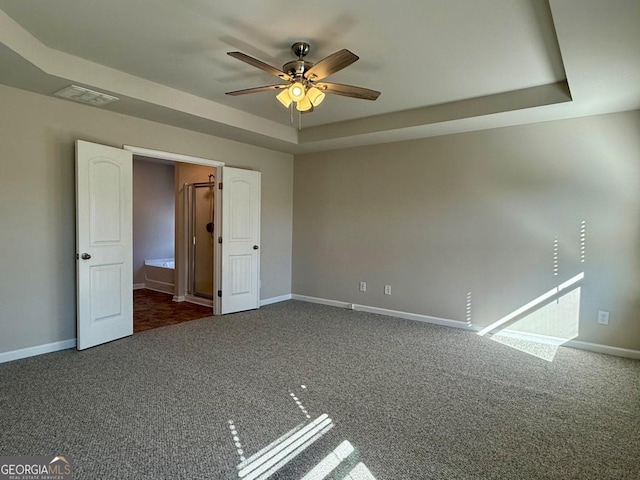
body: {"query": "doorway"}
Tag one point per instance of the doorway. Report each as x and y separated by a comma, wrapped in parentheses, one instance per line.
(165, 206)
(104, 240)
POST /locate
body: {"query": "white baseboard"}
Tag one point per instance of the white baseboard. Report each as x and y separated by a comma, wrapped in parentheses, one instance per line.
(412, 316)
(382, 311)
(591, 347)
(598, 348)
(159, 286)
(205, 302)
(272, 300)
(577, 344)
(531, 337)
(322, 301)
(37, 350)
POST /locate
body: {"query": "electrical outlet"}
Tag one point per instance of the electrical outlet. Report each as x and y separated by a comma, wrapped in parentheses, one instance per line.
(363, 286)
(387, 289)
(603, 318)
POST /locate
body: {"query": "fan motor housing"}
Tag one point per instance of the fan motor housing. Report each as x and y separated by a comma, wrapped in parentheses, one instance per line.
(296, 68)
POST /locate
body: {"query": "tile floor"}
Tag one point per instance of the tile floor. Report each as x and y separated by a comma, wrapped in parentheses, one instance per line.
(155, 309)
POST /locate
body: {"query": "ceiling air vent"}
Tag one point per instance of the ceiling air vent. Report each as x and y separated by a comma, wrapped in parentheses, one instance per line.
(84, 95)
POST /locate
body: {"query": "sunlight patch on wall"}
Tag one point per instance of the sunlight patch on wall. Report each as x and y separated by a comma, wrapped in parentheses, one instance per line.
(536, 302)
(542, 331)
(540, 326)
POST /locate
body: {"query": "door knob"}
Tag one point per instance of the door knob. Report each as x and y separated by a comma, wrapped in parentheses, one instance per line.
(86, 256)
(255, 247)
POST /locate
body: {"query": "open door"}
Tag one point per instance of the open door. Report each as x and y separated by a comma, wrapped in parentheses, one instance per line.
(104, 244)
(240, 286)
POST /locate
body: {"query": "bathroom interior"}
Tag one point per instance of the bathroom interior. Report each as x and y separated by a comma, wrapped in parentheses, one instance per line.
(172, 201)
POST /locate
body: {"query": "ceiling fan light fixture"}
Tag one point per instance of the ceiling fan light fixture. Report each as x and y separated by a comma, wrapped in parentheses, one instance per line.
(300, 77)
(284, 98)
(304, 104)
(315, 96)
(296, 91)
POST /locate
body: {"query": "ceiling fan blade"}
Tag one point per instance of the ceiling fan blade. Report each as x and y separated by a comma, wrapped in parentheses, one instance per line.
(258, 89)
(331, 64)
(261, 65)
(348, 90)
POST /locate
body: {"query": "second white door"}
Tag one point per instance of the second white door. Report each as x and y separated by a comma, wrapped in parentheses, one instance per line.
(240, 240)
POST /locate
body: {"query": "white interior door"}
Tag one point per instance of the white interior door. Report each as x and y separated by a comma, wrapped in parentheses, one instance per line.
(104, 243)
(240, 240)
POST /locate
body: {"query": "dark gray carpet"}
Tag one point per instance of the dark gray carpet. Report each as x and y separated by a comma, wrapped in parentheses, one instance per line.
(417, 401)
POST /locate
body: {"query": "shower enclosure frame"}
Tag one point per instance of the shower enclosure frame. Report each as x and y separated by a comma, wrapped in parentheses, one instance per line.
(190, 225)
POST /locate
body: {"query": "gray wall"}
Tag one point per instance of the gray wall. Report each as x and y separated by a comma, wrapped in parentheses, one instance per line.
(37, 205)
(153, 213)
(478, 212)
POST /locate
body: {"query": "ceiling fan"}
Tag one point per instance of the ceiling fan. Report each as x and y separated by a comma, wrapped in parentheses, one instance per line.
(304, 85)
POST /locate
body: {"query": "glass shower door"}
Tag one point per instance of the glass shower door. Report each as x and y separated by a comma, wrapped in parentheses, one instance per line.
(202, 231)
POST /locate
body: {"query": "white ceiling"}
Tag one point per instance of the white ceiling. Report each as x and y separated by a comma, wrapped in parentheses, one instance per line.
(445, 65)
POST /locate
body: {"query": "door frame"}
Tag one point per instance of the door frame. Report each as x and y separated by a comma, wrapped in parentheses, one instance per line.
(181, 158)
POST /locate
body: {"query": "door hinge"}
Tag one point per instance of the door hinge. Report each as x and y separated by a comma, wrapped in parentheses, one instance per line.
(220, 293)
(219, 239)
(220, 186)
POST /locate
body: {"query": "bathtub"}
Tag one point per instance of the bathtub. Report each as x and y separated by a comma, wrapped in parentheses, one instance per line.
(159, 274)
